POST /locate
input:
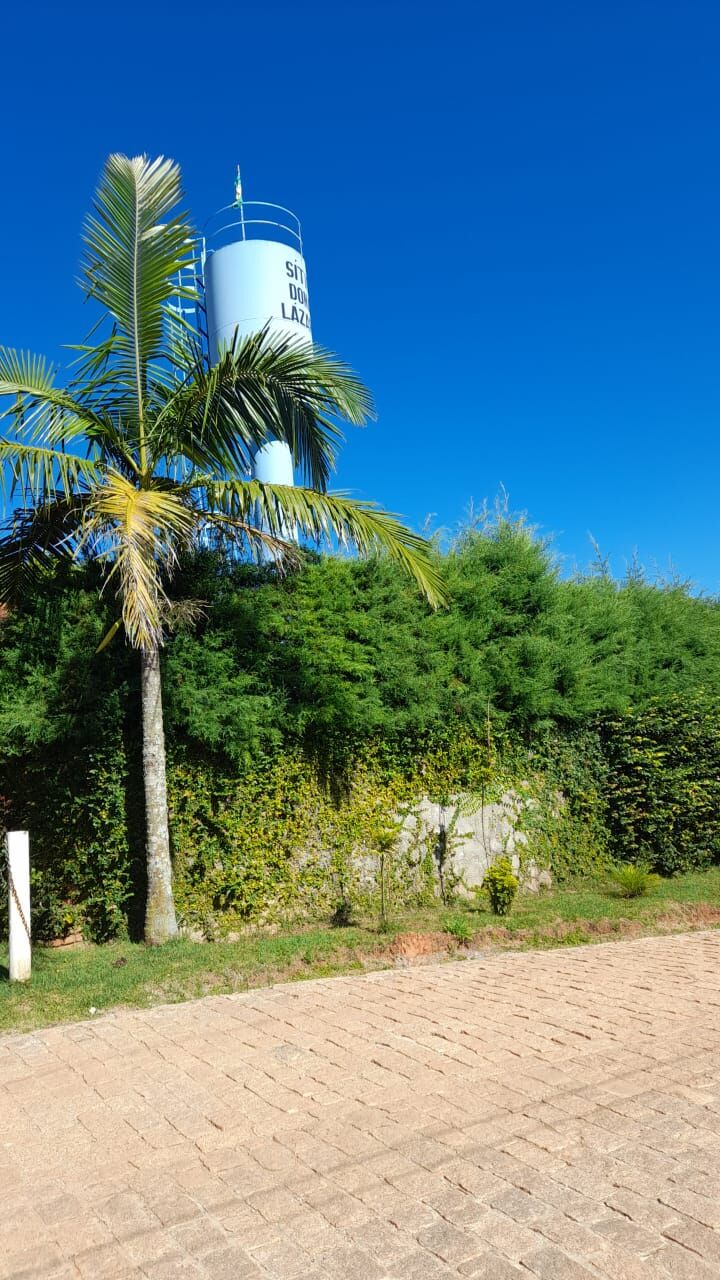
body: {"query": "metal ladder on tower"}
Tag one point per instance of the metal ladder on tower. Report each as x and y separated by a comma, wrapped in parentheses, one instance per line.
(191, 311)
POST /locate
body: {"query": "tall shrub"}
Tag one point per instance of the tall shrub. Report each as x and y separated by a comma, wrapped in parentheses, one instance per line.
(663, 784)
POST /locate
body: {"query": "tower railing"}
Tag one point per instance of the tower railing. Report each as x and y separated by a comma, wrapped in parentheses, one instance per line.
(251, 220)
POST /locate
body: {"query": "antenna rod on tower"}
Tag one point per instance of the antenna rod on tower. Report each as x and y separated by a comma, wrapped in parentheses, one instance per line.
(238, 187)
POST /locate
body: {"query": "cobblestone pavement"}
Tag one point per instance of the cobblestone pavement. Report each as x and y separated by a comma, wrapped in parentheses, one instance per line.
(549, 1114)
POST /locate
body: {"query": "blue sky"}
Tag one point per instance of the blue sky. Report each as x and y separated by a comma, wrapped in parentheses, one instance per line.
(512, 227)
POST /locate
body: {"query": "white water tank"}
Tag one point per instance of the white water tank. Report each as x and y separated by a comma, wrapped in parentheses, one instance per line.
(254, 275)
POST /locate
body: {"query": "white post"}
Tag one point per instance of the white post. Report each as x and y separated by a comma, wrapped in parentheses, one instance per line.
(18, 863)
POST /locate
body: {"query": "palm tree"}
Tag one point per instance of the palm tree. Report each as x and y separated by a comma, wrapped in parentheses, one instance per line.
(148, 448)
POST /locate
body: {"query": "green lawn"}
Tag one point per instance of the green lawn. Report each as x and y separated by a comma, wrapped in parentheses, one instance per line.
(67, 985)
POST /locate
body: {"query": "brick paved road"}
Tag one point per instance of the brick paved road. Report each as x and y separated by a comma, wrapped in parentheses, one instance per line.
(553, 1114)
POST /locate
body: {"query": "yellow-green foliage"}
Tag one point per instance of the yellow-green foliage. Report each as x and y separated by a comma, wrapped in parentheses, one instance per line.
(634, 882)
(564, 817)
(501, 885)
(275, 843)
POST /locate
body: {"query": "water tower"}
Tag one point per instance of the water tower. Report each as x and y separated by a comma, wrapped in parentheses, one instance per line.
(254, 275)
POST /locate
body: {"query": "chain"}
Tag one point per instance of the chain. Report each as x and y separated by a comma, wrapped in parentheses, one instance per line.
(14, 894)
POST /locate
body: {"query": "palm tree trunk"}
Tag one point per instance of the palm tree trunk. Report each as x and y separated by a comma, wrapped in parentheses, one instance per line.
(160, 921)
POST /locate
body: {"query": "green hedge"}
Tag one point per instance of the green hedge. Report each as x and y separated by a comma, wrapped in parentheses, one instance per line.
(271, 841)
(663, 784)
(302, 711)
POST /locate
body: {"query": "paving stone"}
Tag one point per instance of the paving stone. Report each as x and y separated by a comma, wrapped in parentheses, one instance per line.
(448, 1242)
(31, 1262)
(518, 1205)
(680, 1264)
(184, 1268)
(695, 1237)
(144, 1247)
(615, 1264)
(576, 1238)
(127, 1214)
(641, 1209)
(281, 1257)
(489, 1266)
(73, 1235)
(699, 1208)
(173, 1209)
(102, 1262)
(508, 1238)
(554, 1114)
(230, 1263)
(350, 1264)
(385, 1242)
(199, 1236)
(421, 1265)
(457, 1206)
(553, 1264)
(636, 1240)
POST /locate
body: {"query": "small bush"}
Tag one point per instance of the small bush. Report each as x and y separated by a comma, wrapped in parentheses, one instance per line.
(501, 885)
(634, 882)
(459, 927)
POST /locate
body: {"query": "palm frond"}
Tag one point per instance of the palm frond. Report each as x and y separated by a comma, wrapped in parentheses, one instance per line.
(139, 533)
(42, 412)
(328, 517)
(33, 538)
(134, 253)
(207, 423)
(180, 615)
(39, 472)
(38, 407)
(230, 533)
(109, 636)
(26, 373)
(265, 386)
